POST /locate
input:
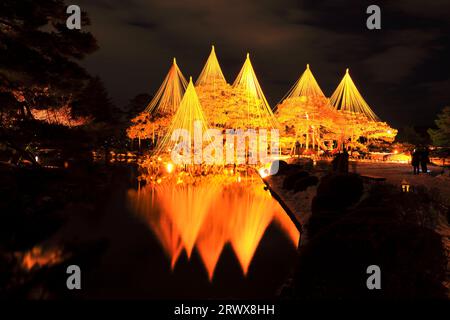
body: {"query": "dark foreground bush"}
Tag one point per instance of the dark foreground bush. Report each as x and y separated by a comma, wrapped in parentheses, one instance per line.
(335, 193)
(341, 190)
(411, 257)
(279, 167)
(303, 183)
(290, 180)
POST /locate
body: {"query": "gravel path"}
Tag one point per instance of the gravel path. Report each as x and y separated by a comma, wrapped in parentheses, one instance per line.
(396, 172)
(435, 181)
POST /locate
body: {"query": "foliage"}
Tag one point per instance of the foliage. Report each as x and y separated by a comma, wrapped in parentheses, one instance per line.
(155, 118)
(62, 116)
(94, 102)
(250, 95)
(305, 115)
(381, 230)
(335, 193)
(410, 134)
(232, 108)
(347, 97)
(144, 126)
(290, 180)
(188, 115)
(40, 77)
(38, 55)
(311, 120)
(137, 105)
(303, 183)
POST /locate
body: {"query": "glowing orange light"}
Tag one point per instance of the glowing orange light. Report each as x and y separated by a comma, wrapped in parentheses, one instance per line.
(263, 172)
(39, 257)
(400, 157)
(207, 215)
(169, 167)
(405, 185)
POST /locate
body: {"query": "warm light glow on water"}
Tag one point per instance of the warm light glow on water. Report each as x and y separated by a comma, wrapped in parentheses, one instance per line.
(40, 258)
(207, 215)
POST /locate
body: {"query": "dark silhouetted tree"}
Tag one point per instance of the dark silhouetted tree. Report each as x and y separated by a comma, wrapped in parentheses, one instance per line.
(137, 105)
(38, 55)
(410, 134)
(94, 101)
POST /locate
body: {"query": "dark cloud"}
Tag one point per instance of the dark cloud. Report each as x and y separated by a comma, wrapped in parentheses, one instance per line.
(141, 24)
(401, 70)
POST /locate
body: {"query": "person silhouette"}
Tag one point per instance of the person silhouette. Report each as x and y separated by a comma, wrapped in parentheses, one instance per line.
(424, 159)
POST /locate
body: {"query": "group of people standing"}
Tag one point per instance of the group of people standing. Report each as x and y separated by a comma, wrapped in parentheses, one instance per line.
(420, 159)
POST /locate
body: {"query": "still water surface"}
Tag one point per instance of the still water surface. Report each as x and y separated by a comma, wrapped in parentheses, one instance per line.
(213, 238)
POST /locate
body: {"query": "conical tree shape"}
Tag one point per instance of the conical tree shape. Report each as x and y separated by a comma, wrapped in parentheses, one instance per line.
(346, 97)
(248, 82)
(212, 238)
(169, 95)
(187, 205)
(189, 116)
(250, 219)
(211, 73)
(306, 86)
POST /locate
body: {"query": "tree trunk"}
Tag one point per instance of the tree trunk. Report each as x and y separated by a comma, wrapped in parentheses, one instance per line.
(313, 140)
(29, 114)
(22, 111)
(307, 140)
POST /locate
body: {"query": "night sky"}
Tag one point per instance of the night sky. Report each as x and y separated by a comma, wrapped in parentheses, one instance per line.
(401, 70)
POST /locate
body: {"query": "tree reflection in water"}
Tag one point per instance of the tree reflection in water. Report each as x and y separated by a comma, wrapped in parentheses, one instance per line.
(208, 214)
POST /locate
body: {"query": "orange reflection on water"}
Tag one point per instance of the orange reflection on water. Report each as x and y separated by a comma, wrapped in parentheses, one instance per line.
(208, 214)
(39, 257)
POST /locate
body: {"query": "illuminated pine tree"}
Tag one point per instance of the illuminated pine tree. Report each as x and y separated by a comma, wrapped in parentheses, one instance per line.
(153, 121)
(169, 95)
(305, 113)
(211, 73)
(306, 86)
(214, 92)
(189, 114)
(242, 105)
(258, 111)
(360, 120)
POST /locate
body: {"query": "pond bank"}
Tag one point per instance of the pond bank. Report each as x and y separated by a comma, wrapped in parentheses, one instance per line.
(383, 215)
(131, 241)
